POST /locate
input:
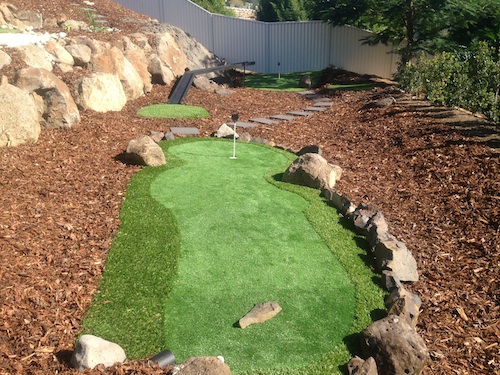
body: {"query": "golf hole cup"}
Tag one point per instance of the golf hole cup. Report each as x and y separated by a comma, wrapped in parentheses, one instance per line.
(164, 359)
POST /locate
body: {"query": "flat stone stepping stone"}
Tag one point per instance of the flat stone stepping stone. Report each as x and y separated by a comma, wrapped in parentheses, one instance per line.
(321, 98)
(264, 121)
(308, 92)
(323, 104)
(241, 124)
(315, 109)
(314, 96)
(300, 113)
(184, 130)
(283, 117)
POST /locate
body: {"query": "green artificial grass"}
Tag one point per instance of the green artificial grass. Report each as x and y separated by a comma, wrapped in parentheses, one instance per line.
(173, 111)
(285, 82)
(8, 31)
(353, 87)
(215, 239)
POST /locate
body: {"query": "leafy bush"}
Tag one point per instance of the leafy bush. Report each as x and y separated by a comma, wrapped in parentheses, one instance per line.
(469, 79)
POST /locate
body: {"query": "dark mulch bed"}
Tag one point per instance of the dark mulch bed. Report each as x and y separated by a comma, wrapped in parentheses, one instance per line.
(434, 173)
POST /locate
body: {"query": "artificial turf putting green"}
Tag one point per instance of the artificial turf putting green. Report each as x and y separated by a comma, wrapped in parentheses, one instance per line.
(283, 82)
(173, 111)
(242, 238)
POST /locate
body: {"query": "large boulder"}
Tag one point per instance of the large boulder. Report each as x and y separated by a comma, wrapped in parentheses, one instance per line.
(358, 366)
(170, 53)
(396, 347)
(144, 151)
(80, 53)
(5, 59)
(312, 170)
(20, 19)
(91, 351)
(113, 61)
(202, 366)
(36, 57)
(392, 254)
(61, 54)
(101, 92)
(160, 73)
(19, 119)
(58, 110)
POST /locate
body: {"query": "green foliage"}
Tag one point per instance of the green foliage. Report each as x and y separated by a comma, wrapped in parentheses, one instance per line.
(417, 23)
(469, 79)
(215, 6)
(282, 10)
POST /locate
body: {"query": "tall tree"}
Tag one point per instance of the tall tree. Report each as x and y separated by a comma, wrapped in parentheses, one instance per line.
(415, 24)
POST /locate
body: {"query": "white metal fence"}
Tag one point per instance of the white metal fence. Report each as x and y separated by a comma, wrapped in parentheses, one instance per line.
(274, 46)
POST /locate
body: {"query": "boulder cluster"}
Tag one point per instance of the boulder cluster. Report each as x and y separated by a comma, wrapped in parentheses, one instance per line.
(104, 75)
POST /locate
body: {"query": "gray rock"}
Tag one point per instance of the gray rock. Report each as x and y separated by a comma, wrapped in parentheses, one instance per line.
(101, 92)
(58, 110)
(367, 215)
(139, 61)
(305, 82)
(5, 59)
(144, 151)
(36, 57)
(169, 136)
(113, 61)
(404, 304)
(390, 281)
(358, 366)
(81, 54)
(157, 136)
(202, 366)
(245, 137)
(393, 255)
(224, 131)
(19, 119)
(311, 149)
(91, 351)
(396, 347)
(160, 73)
(170, 53)
(60, 53)
(341, 203)
(261, 312)
(312, 170)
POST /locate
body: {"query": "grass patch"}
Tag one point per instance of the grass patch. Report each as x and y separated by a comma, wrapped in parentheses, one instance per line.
(286, 82)
(173, 111)
(150, 301)
(353, 87)
(8, 31)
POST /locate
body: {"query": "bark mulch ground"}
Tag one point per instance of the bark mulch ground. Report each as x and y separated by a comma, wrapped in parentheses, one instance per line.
(432, 171)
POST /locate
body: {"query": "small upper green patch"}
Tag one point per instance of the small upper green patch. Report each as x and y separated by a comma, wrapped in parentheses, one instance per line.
(8, 31)
(282, 82)
(173, 111)
(353, 87)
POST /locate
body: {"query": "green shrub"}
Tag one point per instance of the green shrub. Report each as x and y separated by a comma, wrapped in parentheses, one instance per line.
(469, 79)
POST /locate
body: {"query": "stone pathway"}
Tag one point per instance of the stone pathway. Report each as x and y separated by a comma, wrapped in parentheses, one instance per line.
(321, 103)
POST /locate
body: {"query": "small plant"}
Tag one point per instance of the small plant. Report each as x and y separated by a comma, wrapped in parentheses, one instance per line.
(93, 19)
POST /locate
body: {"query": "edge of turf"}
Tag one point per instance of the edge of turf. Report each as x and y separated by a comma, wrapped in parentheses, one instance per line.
(159, 254)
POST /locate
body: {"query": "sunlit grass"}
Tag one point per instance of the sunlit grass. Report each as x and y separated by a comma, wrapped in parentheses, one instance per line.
(173, 111)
